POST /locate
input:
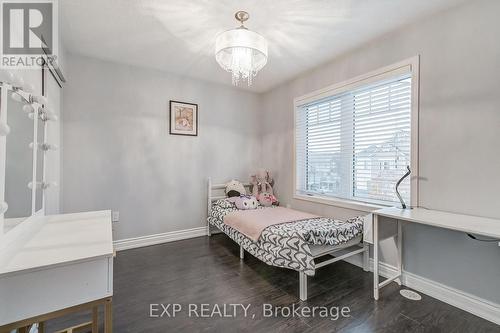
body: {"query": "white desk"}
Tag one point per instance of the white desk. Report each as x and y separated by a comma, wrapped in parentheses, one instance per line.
(50, 263)
(464, 223)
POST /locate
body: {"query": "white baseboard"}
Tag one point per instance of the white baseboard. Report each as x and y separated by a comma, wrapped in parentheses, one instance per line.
(457, 298)
(132, 243)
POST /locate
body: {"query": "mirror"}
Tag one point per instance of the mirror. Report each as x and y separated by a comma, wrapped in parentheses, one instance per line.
(23, 145)
(39, 164)
(18, 163)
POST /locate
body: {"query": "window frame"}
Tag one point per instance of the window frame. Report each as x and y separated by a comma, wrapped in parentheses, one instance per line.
(410, 65)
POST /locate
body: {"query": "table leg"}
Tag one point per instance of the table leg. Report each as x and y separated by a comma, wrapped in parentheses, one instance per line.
(400, 252)
(375, 257)
(95, 319)
(366, 257)
(108, 316)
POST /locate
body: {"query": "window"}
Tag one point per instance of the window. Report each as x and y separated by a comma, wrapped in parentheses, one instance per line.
(354, 142)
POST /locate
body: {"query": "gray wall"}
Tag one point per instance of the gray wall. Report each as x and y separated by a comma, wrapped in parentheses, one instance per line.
(118, 154)
(459, 136)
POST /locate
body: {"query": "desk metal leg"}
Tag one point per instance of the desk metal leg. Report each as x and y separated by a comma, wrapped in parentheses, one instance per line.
(400, 252)
(397, 277)
(375, 257)
(366, 257)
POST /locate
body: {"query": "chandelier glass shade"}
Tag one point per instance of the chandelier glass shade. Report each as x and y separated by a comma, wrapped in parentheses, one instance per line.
(241, 52)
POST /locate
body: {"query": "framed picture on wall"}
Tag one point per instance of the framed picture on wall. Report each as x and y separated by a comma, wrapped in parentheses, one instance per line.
(183, 118)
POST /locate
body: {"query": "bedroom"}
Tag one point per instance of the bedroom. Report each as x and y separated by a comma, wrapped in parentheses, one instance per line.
(334, 100)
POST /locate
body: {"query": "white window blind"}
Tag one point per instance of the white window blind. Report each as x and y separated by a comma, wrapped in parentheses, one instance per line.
(356, 144)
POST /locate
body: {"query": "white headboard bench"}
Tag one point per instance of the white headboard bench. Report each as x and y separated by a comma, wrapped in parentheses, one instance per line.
(216, 192)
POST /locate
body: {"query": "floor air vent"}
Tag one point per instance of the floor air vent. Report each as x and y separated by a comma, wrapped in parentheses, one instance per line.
(410, 294)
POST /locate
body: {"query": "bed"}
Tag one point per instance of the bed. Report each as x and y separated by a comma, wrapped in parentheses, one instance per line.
(294, 245)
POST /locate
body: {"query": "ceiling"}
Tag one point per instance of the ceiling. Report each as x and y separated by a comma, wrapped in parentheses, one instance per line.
(178, 36)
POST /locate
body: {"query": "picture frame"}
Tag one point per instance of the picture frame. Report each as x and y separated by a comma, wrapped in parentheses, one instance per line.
(183, 118)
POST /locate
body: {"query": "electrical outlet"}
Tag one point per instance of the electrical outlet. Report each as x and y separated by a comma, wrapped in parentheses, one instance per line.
(115, 216)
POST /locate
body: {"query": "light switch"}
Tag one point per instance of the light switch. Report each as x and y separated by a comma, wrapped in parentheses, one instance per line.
(115, 216)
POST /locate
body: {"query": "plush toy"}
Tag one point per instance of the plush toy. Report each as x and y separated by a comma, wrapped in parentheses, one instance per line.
(234, 189)
(267, 199)
(262, 187)
(244, 202)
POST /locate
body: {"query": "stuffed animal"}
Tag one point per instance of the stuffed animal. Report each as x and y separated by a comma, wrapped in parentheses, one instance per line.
(267, 199)
(262, 183)
(244, 202)
(234, 189)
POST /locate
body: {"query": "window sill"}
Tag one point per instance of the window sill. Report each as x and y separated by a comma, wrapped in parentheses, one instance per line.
(342, 203)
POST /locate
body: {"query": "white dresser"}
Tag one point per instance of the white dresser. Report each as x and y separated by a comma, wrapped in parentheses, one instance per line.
(51, 263)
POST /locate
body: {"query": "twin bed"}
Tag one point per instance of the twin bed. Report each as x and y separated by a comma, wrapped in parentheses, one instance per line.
(295, 244)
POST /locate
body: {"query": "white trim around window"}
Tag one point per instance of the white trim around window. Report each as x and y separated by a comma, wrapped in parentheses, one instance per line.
(411, 66)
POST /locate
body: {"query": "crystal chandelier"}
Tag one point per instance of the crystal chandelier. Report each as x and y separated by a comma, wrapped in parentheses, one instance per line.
(241, 51)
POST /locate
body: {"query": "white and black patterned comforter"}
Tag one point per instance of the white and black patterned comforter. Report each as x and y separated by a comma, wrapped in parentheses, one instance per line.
(287, 244)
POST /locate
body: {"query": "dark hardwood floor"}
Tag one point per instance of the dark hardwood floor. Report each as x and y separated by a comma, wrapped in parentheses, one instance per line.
(208, 270)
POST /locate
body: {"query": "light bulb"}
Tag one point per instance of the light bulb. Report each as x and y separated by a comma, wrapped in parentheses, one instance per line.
(48, 146)
(41, 185)
(18, 81)
(17, 96)
(28, 108)
(40, 99)
(4, 129)
(49, 116)
(46, 185)
(3, 207)
(29, 88)
(10, 77)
